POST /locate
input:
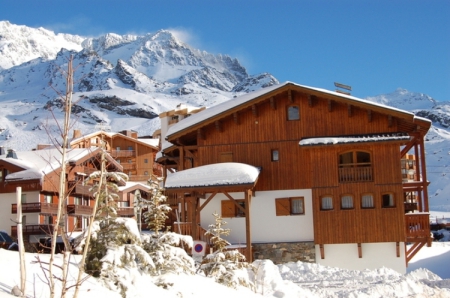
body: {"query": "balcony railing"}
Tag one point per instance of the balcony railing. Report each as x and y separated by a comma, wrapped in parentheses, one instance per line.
(122, 153)
(125, 211)
(79, 188)
(43, 208)
(138, 177)
(79, 210)
(33, 230)
(128, 166)
(410, 207)
(355, 174)
(417, 226)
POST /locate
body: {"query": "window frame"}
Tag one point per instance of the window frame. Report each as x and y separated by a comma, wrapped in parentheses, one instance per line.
(289, 115)
(275, 155)
(322, 203)
(352, 201)
(230, 210)
(391, 203)
(283, 206)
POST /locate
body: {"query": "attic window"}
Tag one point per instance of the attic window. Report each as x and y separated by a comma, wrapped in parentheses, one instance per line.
(293, 113)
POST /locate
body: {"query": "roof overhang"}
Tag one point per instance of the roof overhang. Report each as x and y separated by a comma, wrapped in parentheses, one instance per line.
(360, 139)
(228, 177)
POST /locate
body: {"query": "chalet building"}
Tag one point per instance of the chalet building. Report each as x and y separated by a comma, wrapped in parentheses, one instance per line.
(135, 155)
(330, 185)
(38, 173)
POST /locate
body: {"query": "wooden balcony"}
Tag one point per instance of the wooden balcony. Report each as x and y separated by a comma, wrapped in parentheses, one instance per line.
(122, 153)
(355, 174)
(125, 211)
(143, 178)
(42, 208)
(79, 210)
(128, 166)
(33, 230)
(80, 189)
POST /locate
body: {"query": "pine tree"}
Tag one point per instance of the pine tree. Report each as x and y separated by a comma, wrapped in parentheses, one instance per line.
(163, 246)
(227, 267)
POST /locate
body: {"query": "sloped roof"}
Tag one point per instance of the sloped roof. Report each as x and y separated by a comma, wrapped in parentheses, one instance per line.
(241, 102)
(147, 142)
(36, 164)
(213, 175)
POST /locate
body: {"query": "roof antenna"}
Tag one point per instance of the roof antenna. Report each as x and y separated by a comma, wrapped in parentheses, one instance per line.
(346, 88)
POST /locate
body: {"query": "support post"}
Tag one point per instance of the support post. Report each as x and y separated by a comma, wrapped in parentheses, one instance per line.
(23, 274)
(248, 229)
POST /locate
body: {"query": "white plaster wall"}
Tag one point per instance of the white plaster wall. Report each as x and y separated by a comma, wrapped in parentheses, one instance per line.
(6, 200)
(374, 255)
(265, 225)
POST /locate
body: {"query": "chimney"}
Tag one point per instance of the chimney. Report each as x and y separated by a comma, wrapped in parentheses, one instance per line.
(76, 133)
(11, 154)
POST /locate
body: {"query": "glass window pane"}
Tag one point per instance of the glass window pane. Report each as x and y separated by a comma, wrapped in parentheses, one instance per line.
(367, 201)
(297, 206)
(346, 158)
(347, 202)
(293, 113)
(327, 203)
(362, 157)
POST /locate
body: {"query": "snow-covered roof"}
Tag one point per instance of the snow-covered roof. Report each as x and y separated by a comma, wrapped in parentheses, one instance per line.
(220, 174)
(241, 100)
(151, 142)
(38, 163)
(353, 139)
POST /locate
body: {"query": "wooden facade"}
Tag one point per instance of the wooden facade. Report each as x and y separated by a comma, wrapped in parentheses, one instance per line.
(136, 156)
(265, 130)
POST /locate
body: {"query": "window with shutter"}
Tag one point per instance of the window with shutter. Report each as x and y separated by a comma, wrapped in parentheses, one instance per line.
(228, 208)
(289, 206)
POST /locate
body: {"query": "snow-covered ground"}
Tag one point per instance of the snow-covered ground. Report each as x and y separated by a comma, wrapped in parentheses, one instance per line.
(428, 276)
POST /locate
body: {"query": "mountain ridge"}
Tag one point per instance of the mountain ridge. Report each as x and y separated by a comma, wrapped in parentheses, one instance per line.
(126, 81)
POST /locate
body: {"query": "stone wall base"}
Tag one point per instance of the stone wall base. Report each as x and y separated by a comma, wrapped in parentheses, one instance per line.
(284, 252)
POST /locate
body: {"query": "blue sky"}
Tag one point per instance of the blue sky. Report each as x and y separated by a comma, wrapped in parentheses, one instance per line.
(374, 46)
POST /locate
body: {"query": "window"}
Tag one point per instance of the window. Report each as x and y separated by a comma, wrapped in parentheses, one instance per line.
(387, 200)
(367, 201)
(118, 148)
(347, 202)
(118, 161)
(130, 148)
(355, 166)
(48, 199)
(130, 161)
(23, 198)
(48, 220)
(145, 160)
(326, 203)
(1, 174)
(229, 209)
(293, 113)
(275, 155)
(290, 206)
(145, 173)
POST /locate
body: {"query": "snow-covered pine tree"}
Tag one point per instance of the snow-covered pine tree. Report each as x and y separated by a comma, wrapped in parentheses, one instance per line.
(227, 267)
(164, 247)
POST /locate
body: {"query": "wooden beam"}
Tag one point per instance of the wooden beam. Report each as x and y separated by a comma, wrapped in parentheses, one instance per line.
(218, 126)
(359, 250)
(311, 100)
(181, 161)
(322, 251)
(291, 99)
(207, 201)
(248, 229)
(273, 104)
(408, 147)
(200, 134)
(255, 110)
(369, 115)
(349, 110)
(236, 118)
(235, 203)
(423, 173)
(194, 214)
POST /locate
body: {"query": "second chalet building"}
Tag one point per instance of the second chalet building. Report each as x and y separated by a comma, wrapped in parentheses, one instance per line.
(302, 173)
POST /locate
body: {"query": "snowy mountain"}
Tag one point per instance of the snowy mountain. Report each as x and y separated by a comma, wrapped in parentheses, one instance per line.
(125, 81)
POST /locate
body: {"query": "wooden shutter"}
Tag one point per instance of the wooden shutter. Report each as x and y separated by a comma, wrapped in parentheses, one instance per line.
(283, 207)
(228, 208)
(226, 157)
